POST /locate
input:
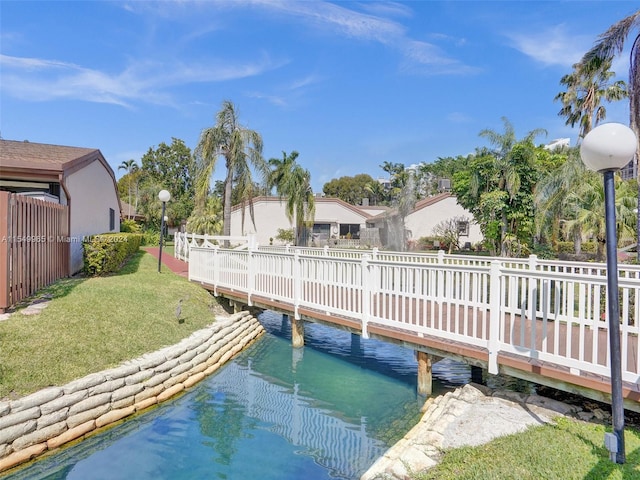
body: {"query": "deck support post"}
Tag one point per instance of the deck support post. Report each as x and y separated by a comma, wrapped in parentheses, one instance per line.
(297, 333)
(425, 379)
(476, 375)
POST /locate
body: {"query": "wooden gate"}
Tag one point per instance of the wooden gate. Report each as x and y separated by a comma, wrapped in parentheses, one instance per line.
(34, 246)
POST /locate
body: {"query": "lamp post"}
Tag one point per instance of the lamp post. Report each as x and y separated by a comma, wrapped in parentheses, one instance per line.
(164, 197)
(606, 149)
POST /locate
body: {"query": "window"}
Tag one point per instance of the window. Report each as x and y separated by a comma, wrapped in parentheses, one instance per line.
(112, 219)
(463, 229)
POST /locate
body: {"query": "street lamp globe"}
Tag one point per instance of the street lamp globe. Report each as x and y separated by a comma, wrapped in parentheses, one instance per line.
(164, 196)
(609, 146)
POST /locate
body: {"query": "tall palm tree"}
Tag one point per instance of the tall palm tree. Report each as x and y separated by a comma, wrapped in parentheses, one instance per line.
(130, 166)
(241, 149)
(294, 183)
(610, 44)
(587, 86)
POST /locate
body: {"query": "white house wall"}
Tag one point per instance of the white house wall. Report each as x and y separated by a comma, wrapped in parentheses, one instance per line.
(269, 217)
(421, 222)
(92, 194)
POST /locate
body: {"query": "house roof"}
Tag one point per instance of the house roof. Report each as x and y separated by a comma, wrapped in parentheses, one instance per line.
(129, 211)
(27, 159)
(424, 203)
(317, 200)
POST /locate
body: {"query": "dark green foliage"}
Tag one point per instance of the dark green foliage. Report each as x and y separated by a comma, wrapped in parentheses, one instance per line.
(107, 252)
(350, 189)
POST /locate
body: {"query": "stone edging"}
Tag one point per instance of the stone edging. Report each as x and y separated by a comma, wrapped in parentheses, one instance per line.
(470, 415)
(54, 416)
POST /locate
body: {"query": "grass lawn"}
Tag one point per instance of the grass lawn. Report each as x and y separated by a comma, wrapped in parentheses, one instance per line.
(96, 323)
(567, 450)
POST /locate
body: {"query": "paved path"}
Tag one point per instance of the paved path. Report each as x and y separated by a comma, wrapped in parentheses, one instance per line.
(172, 263)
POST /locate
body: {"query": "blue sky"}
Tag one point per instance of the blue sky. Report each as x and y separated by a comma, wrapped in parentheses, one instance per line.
(349, 85)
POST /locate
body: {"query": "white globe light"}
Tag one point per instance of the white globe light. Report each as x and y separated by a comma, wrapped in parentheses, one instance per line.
(609, 146)
(164, 196)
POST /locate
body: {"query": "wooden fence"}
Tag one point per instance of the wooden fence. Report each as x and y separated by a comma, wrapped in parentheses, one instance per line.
(34, 246)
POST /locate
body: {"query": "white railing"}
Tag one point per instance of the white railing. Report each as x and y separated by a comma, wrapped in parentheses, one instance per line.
(182, 242)
(539, 310)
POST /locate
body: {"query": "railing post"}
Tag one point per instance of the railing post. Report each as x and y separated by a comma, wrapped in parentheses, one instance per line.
(297, 284)
(251, 276)
(216, 269)
(366, 293)
(532, 299)
(252, 241)
(326, 250)
(494, 315)
(440, 256)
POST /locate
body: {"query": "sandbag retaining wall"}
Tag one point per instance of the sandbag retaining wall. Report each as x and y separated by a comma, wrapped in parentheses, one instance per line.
(49, 418)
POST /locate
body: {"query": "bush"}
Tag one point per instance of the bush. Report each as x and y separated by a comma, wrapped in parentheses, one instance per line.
(429, 243)
(151, 238)
(107, 252)
(564, 247)
(130, 226)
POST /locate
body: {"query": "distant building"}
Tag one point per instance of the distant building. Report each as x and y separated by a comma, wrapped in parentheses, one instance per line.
(630, 171)
(558, 143)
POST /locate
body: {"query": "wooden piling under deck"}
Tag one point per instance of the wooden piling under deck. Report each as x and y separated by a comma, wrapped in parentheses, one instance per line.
(297, 333)
(425, 378)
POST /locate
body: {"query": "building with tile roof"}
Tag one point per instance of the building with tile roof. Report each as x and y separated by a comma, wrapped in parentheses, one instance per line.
(78, 177)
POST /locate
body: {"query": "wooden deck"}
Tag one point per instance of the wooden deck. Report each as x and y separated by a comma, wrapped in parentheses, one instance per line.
(588, 385)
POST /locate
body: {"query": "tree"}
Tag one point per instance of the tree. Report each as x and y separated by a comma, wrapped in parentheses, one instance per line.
(587, 86)
(589, 199)
(610, 44)
(206, 217)
(241, 149)
(130, 166)
(294, 183)
(350, 189)
(497, 187)
(555, 201)
(448, 231)
(172, 167)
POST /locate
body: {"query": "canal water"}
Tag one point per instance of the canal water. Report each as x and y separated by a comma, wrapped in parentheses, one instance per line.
(326, 411)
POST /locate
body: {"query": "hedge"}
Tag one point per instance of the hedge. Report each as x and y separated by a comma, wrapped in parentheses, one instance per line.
(107, 252)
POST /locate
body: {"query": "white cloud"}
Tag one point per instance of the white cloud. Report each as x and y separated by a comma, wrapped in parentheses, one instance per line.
(146, 81)
(552, 46)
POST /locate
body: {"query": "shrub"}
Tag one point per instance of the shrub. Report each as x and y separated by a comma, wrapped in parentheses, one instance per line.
(107, 252)
(564, 247)
(150, 237)
(130, 226)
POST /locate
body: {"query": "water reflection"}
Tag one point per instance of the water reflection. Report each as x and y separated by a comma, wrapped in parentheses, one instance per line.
(272, 413)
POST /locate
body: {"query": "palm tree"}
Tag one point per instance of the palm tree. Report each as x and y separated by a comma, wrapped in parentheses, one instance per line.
(589, 199)
(293, 183)
(130, 166)
(506, 168)
(610, 44)
(241, 149)
(587, 86)
(554, 202)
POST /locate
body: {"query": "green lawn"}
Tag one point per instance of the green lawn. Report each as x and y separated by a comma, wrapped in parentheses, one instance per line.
(96, 323)
(567, 450)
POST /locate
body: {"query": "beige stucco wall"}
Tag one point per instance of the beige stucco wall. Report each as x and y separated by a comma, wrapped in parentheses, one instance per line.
(92, 193)
(421, 222)
(270, 215)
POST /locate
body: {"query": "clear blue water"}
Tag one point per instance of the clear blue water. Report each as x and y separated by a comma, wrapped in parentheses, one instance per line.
(326, 411)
